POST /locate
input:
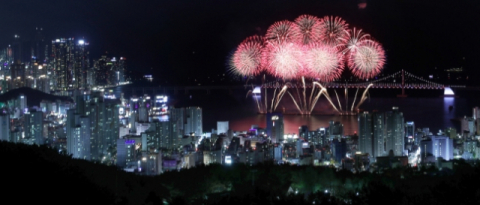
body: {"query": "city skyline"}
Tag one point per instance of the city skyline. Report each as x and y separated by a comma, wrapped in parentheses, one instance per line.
(226, 102)
(166, 39)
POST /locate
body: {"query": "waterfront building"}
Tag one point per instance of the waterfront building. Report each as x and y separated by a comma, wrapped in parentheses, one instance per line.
(365, 133)
(395, 132)
(378, 119)
(275, 127)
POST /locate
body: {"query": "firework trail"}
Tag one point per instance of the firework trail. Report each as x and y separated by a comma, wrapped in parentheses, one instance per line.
(368, 60)
(354, 99)
(346, 99)
(327, 96)
(309, 29)
(274, 94)
(314, 102)
(299, 99)
(304, 94)
(363, 96)
(280, 96)
(260, 110)
(266, 96)
(338, 99)
(295, 102)
(247, 59)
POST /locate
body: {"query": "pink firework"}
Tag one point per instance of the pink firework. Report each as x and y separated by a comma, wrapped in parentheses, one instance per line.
(282, 31)
(335, 31)
(309, 28)
(368, 60)
(283, 60)
(247, 59)
(355, 38)
(323, 62)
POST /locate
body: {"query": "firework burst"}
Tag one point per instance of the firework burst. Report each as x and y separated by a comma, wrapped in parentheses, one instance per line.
(281, 32)
(247, 59)
(308, 48)
(368, 60)
(323, 62)
(309, 29)
(284, 60)
(334, 31)
(355, 39)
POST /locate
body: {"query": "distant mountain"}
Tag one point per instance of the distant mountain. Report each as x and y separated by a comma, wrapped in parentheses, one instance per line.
(34, 97)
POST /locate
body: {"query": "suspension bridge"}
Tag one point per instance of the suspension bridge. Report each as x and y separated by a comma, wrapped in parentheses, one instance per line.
(399, 80)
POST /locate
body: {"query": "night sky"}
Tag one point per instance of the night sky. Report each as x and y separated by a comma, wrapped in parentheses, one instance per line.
(178, 40)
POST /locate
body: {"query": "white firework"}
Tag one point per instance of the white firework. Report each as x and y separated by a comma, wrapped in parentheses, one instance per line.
(323, 62)
(284, 60)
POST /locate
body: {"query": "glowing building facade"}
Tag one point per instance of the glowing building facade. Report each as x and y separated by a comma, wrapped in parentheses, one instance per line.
(365, 134)
(69, 63)
(395, 132)
(34, 127)
(275, 127)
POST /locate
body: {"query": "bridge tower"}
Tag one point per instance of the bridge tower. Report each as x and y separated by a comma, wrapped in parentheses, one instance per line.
(403, 86)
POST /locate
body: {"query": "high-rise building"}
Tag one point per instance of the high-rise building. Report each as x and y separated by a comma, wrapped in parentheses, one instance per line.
(177, 116)
(409, 133)
(17, 49)
(103, 128)
(70, 63)
(395, 132)
(125, 152)
(378, 134)
(339, 149)
(39, 47)
(365, 134)
(275, 127)
(194, 119)
(335, 130)
(438, 146)
(142, 114)
(78, 135)
(117, 75)
(222, 127)
(304, 133)
(468, 126)
(111, 126)
(165, 133)
(18, 77)
(5, 127)
(34, 127)
(109, 71)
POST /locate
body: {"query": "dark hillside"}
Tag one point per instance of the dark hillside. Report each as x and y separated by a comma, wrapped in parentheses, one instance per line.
(34, 97)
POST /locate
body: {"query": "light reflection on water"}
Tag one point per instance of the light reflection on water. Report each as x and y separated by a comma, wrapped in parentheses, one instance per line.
(241, 112)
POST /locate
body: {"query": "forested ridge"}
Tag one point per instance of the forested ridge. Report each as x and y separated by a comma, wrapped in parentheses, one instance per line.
(41, 174)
